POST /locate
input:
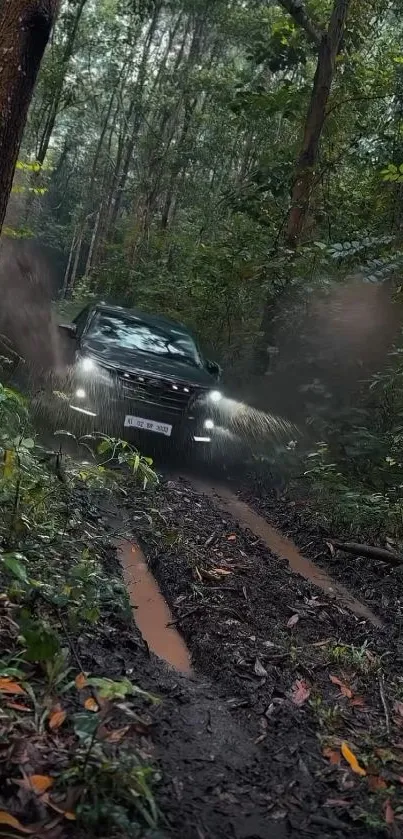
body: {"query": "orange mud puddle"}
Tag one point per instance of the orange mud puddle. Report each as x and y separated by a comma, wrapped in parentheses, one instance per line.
(151, 612)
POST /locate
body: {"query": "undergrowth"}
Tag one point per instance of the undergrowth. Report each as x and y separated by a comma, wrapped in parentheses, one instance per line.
(66, 737)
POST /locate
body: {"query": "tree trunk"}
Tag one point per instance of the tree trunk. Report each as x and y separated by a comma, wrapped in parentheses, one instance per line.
(93, 242)
(306, 164)
(55, 102)
(25, 27)
(63, 290)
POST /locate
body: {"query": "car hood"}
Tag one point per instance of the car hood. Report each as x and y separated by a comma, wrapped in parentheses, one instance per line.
(131, 361)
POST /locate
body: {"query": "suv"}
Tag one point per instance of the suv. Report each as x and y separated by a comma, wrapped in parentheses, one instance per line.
(139, 374)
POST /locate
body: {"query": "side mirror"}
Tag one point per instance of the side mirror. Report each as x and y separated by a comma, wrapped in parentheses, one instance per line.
(70, 328)
(214, 369)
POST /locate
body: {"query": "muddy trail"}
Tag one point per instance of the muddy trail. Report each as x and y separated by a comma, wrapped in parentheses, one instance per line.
(282, 712)
(372, 581)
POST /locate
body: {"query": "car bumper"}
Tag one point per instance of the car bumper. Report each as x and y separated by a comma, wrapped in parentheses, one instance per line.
(112, 414)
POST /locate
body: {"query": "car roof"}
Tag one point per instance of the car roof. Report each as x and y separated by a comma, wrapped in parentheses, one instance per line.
(145, 317)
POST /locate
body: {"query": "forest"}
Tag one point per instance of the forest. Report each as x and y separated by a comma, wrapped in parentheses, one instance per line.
(237, 165)
(204, 651)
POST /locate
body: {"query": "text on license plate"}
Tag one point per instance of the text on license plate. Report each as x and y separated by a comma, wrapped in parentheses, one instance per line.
(148, 425)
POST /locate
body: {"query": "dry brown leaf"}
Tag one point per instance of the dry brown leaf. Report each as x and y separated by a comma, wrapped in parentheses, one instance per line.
(332, 755)
(80, 681)
(337, 802)
(58, 809)
(91, 705)
(16, 706)
(351, 759)
(231, 538)
(36, 783)
(344, 689)
(300, 692)
(358, 702)
(293, 620)
(8, 686)
(398, 707)
(57, 718)
(222, 571)
(11, 821)
(389, 814)
(375, 782)
(40, 783)
(116, 735)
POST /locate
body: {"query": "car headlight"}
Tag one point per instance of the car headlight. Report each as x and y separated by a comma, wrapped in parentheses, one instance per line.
(209, 424)
(80, 393)
(215, 396)
(87, 364)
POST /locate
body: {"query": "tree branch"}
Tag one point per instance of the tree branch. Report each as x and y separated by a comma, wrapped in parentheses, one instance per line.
(298, 12)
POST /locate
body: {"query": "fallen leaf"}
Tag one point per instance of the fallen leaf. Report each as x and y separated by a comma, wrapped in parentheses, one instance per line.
(116, 735)
(8, 686)
(66, 813)
(16, 706)
(36, 783)
(358, 702)
(57, 718)
(389, 814)
(344, 689)
(375, 782)
(331, 549)
(350, 757)
(293, 620)
(6, 818)
(337, 802)
(80, 681)
(221, 571)
(332, 755)
(91, 705)
(259, 669)
(300, 692)
(231, 538)
(40, 783)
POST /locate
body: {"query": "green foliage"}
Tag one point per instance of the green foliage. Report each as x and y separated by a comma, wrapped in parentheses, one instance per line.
(54, 585)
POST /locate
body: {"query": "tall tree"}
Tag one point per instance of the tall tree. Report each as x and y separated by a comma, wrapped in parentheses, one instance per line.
(25, 27)
(328, 43)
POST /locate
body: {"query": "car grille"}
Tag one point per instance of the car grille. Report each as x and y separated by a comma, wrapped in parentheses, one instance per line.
(171, 396)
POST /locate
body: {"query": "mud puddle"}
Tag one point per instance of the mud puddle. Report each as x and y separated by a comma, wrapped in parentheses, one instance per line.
(283, 547)
(151, 612)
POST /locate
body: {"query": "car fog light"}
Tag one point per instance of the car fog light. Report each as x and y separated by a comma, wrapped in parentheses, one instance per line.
(209, 424)
(215, 395)
(80, 393)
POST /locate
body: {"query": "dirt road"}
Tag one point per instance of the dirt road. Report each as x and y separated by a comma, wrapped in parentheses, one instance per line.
(290, 675)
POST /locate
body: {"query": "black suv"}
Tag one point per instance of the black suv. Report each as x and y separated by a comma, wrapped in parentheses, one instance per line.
(136, 373)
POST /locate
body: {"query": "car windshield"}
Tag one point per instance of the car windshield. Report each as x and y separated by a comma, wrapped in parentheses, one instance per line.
(135, 334)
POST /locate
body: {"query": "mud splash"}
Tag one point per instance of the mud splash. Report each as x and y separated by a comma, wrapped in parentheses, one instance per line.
(151, 612)
(283, 548)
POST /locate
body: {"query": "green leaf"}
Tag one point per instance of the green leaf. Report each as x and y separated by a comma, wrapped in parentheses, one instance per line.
(108, 689)
(13, 564)
(85, 725)
(104, 447)
(42, 642)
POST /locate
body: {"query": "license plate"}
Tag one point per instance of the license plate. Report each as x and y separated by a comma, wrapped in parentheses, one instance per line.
(148, 425)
